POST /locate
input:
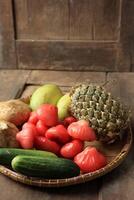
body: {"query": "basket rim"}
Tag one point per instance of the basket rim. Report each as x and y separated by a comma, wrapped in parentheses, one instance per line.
(74, 180)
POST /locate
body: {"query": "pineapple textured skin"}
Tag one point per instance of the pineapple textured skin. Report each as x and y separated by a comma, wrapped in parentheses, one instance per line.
(107, 116)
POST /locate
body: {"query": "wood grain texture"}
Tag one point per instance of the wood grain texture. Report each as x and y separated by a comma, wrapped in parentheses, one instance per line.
(42, 19)
(81, 19)
(73, 19)
(67, 55)
(119, 184)
(10, 189)
(12, 83)
(63, 78)
(123, 57)
(75, 35)
(7, 42)
(30, 88)
(96, 20)
(106, 16)
(121, 85)
(127, 20)
(125, 54)
(128, 30)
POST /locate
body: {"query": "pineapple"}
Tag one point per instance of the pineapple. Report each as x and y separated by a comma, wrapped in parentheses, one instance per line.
(107, 116)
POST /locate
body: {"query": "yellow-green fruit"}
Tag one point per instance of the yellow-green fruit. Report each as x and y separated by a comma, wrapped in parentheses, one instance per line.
(63, 106)
(49, 93)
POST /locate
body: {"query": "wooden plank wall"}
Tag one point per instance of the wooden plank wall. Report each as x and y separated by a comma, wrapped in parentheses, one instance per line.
(67, 19)
(68, 34)
(41, 19)
(7, 42)
(125, 53)
(71, 34)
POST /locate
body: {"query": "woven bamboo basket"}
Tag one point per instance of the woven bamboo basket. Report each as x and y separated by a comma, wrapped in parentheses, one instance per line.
(115, 153)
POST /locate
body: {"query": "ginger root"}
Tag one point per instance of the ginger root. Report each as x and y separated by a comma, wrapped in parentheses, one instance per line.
(14, 111)
(8, 133)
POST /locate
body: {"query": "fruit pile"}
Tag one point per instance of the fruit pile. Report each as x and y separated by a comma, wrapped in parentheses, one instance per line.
(61, 124)
(50, 128)
(65, 138)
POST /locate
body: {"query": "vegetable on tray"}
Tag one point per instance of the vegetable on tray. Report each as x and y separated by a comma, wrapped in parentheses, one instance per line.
(8, 133)
(47, 167)
(14, 111)
(59, 126)
(7, 154)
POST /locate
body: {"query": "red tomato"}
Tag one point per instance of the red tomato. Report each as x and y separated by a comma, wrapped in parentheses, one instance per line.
(43, 143)
(90, 160)
(72, 148)
(58, 133)
(48, 114)
(25, 138)
(33, 118)
(31, 126)
(41, 128)
(69, 120)
(81, 130)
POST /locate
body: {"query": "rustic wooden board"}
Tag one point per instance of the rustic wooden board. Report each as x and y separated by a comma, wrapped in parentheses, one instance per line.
(81, 19)
(128, 32)
(10, 189)
(125, 53)
(42, 19)
(67, 55)
(12, 83)
(119, 184)
(75, 35)
(127, 20)
(124, 60)
(106, 19)
(64, 78)
(121, 85)
(88, 35)
(29, 89)
(7, 42)
(73, 19)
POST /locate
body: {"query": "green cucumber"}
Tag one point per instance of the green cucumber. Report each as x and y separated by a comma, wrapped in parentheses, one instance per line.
(7, 154)
(45, 167)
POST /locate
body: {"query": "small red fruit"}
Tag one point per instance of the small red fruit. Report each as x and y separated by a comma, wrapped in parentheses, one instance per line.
(43, 143)
(48, 114)
(90, 160)
(30, 126)
(81, 130)
(25, 138)
(69, 120)
(41, 128)
(72, 148)
(58, 133)
(33, 118)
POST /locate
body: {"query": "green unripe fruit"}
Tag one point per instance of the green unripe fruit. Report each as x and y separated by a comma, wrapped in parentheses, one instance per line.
(63, 106)
(46, 94)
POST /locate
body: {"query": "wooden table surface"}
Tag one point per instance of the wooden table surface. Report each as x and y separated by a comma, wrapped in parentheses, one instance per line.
(119, 184)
